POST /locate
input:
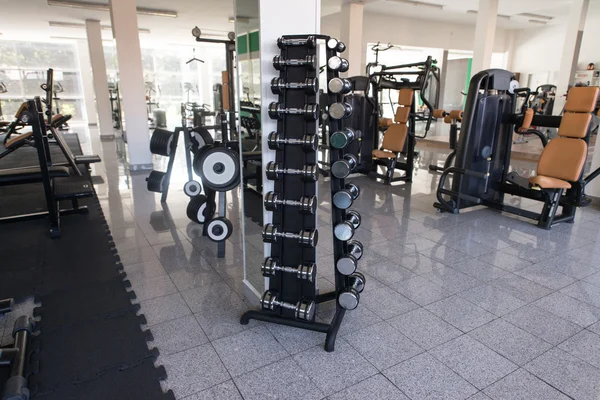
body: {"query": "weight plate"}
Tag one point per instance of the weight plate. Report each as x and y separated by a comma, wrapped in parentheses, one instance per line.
(199, 209)
(219, 168)
(160, 142)
(155, 181)
(200, 137)
(219, 229)
(192, 188)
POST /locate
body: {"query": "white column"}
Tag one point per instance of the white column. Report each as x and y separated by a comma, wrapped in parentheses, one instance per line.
(87, 82)
(100, 81)
(570, 52)
(485, 32)
(131, 82)
(351, 33)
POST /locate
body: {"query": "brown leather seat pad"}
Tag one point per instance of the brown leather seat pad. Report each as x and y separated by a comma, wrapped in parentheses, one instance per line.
(405, 97)
(14, 140)
(547, 182)
(563, 158)
(394, 137)
(402, 114)
(383, 154)
(582, 99)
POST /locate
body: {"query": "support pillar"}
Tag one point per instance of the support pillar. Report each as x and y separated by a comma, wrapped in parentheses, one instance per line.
(352, 36)
(485, 34)
(131, 82)
(570, 53)
(87, 82)
(97, 64)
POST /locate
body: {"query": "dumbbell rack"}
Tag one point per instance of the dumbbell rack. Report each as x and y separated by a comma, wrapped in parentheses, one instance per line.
(288, 219)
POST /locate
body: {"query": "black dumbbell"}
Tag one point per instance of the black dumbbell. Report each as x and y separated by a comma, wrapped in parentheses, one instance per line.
(348, 263)
(334, 44)
(336, 63)
(340, 110)
(341, 139)
(309, 111)
(302, 310)
(303, 272)
(344, 198)
(306, 238)
(349, 297)
(309, 62)
(342, 168)
(309, 142)
(306, 204)
(279, 85)
(309, 42)
(345, 229)
(310, 173)
(339, 86)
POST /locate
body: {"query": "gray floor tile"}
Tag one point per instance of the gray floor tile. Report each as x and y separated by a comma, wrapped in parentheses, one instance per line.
(145, 270)
(479, 396)
(354, 320)
(571, 266)
(137, 256)
(193, 370)
(248, 350)
(471, 247)
(375, 387)
(337, 370)
(479, 270)
(178, 335)
(418, 243)
(446, 255)
(520, 287)
(386, 303)
(295, 340)
(460, 313)
(492, 299)
(595, 328)
(224, 391)
(473, 361)
(545, 276)
(567, 373)
(418, 263)
(585, 292)
(594, 279)
(193, 278)
(162, 309)
(283, 379)
(382, 345)
(421, 290)
(150, 288)
(425, 378)
(543, 324)
(387, 271)
(451, 279)
(424, 328)
(585, 345)
(530, 253)
(392, 250)
(521, 385)
(570, 309)
(505, 261)
(510, 341)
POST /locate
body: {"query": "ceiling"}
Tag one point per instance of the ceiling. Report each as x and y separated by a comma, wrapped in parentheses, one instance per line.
(212, 16)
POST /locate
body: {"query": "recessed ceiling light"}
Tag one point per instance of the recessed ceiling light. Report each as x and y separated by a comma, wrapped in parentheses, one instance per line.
(501, 16)
(535, 21)
(536, 16)
(58, 24)
(106, 7)
(419, 3)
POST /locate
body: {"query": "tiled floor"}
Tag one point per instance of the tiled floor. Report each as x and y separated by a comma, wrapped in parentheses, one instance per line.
(478, 305)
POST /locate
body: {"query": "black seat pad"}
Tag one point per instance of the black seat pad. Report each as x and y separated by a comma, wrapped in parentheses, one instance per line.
(15, 176)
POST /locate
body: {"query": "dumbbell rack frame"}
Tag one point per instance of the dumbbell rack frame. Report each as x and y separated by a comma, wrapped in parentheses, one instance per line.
(291, 289)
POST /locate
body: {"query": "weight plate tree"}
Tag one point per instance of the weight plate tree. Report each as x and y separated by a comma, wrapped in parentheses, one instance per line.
(291, 266)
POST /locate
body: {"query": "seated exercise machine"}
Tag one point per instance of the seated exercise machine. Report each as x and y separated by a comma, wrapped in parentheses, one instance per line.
(47, 173)
(481, 175)
(16, 357)
(452, 118)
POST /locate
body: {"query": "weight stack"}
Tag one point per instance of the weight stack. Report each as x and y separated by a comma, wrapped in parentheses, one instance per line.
(291, 187)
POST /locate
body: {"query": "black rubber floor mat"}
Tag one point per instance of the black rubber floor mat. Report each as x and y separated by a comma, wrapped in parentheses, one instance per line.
(115, 384)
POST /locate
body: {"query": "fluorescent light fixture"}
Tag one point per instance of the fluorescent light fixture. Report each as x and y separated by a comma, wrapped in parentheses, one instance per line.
(105, 7)
(58, 24)
(536, 16)
(500, 16)
(419, 3)
(535, 21)
(243, 20)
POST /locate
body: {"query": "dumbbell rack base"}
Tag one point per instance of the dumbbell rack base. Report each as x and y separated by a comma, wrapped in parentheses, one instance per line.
(330, 329)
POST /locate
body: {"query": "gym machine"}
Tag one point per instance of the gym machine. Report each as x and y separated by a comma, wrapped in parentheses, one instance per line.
(3, 89)
(16, 356)
(481, 174)
(292, 296)
(115, 104)
(56, 89)
(453, 118)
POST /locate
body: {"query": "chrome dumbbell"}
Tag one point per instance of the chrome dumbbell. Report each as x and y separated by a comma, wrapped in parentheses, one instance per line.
(279, 85)
(310, 112)
(306, 204)
(348, 263)
(345, 229)
(336, 63)
(339, 86)
(309, 42)
(340, 110)
(344, 167)
(344, 198)
(309, 142)
(303, 272)
(341, 139)
(309, 62)
(334, 44)
(309, 173)
(349, 297)
(306, 238)
(302, 310)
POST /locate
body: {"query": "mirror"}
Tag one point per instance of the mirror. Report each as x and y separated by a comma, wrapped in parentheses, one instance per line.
(249, 98)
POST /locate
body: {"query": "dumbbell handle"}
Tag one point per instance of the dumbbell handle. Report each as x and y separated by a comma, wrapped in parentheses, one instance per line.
(305, 201)
(308, 138)
(279, 84)
(293, 110)
(294, 62)
(306, 237)
(307, 171)
(305, 271)
(296, 42)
